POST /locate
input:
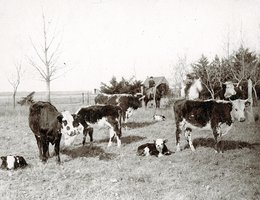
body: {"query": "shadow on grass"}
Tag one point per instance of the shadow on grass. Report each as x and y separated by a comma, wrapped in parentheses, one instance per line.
(88, 151)
(125, 140)
(133, 125)
(228, 145)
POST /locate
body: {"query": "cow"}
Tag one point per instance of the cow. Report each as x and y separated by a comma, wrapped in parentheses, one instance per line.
(12, 162)
(103, 116)
(158, 148)
(215, 115)
(159, 118)
(127, 102)
(193, 89)
(48, 124)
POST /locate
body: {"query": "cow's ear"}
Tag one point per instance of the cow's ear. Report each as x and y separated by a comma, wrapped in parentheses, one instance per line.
(59, 117)
(154, 141)
(164, 141)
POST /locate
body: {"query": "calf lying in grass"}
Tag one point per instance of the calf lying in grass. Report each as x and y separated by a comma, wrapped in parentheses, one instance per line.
(158, 148)
(159, 118)
(12, 162)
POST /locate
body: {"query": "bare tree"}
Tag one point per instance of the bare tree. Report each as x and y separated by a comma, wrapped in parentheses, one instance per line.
(179, 71)
(15, 81)
(47, 55)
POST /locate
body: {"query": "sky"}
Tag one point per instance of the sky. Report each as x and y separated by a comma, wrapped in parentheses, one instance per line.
(122, 38)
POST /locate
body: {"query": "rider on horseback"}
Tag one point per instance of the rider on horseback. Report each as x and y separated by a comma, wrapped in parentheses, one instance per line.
(151, 86)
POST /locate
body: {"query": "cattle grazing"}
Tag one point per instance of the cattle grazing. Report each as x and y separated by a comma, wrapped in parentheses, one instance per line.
(127, 102)
(12, 162)
(103, 116)
(217, 116)
(159, 117)
(157, 148)
(48, 124)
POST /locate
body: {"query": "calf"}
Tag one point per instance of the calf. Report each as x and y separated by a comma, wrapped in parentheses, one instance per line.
(48, 124)
(103, 116)
(159, 118)
(158, 148)
(12, 162)
(217, 116)
(127, 102)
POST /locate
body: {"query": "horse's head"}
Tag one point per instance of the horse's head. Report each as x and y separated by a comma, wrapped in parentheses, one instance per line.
(162, 89)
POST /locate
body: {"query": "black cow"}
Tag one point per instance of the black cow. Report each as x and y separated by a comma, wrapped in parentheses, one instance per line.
(48, 124)
(127, 102)
(217, 116)
(102, 115)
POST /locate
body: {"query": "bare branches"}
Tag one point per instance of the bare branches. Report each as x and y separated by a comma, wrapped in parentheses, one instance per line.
(47, 56)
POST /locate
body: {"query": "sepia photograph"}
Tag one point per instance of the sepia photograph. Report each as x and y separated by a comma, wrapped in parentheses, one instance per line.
(130, 99)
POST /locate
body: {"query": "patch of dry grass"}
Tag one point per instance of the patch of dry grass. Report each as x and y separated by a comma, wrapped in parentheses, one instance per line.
(97, 172)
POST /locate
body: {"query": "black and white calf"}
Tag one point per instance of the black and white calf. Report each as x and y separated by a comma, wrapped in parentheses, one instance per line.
(102, 116)
(159, 118)
(127, 102)
(217, 116)
(12, 162)
(158, 148)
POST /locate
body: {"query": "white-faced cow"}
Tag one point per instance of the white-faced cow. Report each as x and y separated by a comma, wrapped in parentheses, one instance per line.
(48, 124)
(127, 102)
(217, 116)
(193, 89)
(101, 115)
(157, 148)
(12, 162)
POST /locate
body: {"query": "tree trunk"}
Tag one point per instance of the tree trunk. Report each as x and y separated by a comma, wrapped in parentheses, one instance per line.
(48, 84)
(250, 113)
(14, 94)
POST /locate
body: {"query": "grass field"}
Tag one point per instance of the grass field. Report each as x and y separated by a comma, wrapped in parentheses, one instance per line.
(98, 172)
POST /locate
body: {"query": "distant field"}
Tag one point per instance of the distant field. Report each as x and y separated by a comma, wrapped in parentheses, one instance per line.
(97, 172)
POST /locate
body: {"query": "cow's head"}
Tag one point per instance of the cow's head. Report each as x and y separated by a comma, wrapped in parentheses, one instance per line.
(229, 89)
(159, 144)
(70, 128)
(238, 109)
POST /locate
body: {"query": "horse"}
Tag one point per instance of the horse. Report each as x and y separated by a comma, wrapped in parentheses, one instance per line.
(155, 93)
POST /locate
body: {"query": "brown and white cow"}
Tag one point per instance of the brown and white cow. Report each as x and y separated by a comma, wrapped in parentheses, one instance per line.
(127, 102)
(102, 116)
(48, 124)
(217, 116)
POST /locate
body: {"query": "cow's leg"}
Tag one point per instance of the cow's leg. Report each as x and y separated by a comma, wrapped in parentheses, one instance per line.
(45, 149)
(216, 137)
(39, 144)
(90, 133)
(178, 134)
(118, 135)
(111, 135)
(188, 138)
(57, 148)
(85, 133)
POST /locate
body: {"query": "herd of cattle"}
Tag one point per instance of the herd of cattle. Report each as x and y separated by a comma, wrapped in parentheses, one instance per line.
(49, 125)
